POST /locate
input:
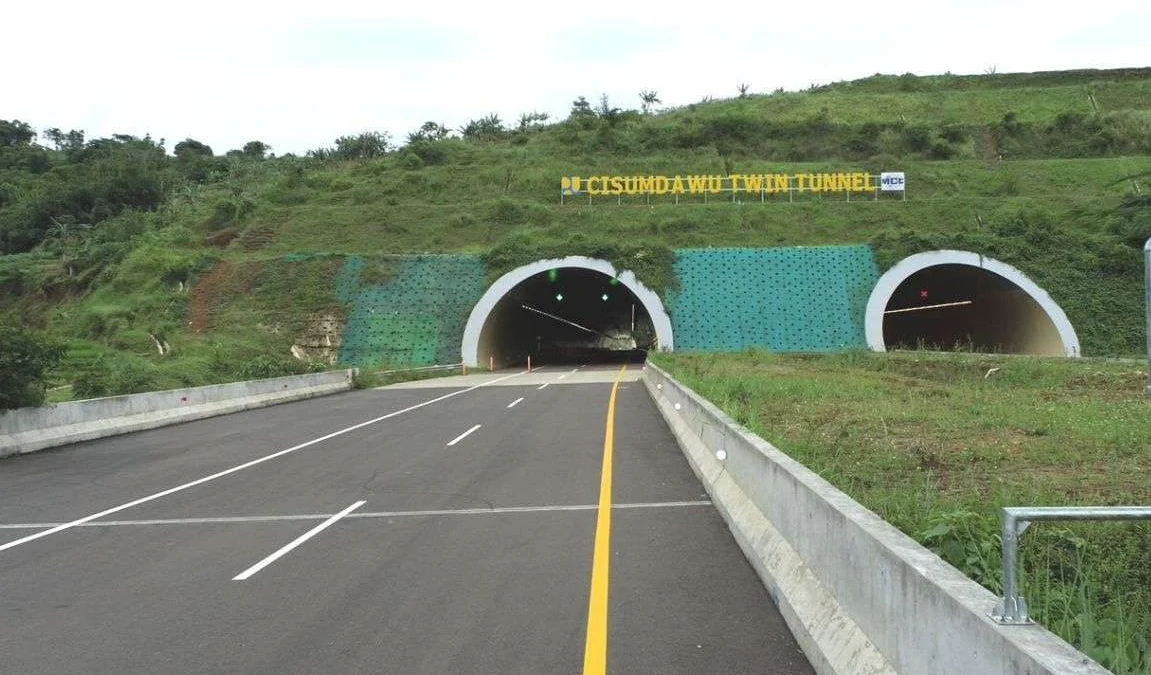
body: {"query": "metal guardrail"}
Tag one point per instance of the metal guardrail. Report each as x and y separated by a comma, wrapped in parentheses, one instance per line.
(1012, 607)
(410, 370)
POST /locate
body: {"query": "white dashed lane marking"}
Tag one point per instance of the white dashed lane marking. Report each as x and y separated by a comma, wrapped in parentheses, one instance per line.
(464, 435)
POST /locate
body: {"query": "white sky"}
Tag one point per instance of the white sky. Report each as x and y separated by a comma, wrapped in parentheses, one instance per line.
(298, 74)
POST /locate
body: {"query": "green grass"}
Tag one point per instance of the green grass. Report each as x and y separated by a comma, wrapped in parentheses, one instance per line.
(853, 106)
(936, 446)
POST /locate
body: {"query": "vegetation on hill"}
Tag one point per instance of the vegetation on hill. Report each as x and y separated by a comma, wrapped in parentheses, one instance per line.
(102, 239)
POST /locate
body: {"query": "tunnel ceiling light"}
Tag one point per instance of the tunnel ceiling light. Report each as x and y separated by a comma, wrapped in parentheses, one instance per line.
(920, 309)
(559, 297)
(603, 297)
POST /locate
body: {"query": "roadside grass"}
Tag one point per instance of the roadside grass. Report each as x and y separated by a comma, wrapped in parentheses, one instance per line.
(936, 445)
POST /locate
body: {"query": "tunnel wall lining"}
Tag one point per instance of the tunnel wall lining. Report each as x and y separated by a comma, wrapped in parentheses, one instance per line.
(504, 285)
(891, 280)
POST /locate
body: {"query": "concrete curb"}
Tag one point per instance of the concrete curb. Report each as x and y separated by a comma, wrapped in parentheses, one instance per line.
(859, 595)
(31, 429)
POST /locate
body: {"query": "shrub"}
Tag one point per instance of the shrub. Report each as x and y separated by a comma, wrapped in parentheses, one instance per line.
(115, 379)
(25, 362)
(411, 161)
(228, 212)
(429, 152)
(91, 384)
(507, 212)
(264, 366)
(940, 150)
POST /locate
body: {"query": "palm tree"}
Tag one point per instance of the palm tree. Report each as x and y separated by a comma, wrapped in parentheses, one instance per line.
(648, 98)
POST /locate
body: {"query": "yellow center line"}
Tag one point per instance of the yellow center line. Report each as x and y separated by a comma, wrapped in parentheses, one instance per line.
(595, 651)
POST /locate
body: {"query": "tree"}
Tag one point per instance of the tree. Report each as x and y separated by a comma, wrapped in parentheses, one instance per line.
(25, 362)
(368, 145)
(606, 112)
(69, 143)
(648, 98)
(532, 119)
(190, 149)
(256, 150)
(428, 131)
(743, 90)
(489, 127)
(581, 108)
(15, 133)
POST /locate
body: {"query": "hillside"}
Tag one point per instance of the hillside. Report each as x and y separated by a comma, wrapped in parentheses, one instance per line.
(119, 249)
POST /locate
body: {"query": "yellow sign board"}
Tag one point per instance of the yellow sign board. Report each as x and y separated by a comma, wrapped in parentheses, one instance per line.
(759, 183)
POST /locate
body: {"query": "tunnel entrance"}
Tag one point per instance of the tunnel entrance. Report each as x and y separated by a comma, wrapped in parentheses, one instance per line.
(567, 310)
(948, 300)
(565, 315)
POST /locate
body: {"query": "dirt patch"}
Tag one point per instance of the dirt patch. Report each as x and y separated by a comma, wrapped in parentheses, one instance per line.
(223, 281)
(222, 238)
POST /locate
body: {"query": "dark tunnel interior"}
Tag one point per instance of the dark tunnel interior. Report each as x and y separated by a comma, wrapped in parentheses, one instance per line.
(947, 307)
(567, 315)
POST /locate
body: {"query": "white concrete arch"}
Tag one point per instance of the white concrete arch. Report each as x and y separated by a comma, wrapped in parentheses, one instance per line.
(891, 280)
(479, 315)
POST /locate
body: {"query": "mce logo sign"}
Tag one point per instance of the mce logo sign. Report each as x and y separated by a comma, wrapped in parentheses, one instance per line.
(892, 181)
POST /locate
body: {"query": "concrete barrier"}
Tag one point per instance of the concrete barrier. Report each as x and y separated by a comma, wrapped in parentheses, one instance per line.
(32, 429)
(859, 595)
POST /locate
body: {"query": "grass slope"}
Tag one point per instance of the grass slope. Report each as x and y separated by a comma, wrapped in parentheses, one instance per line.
(936, 446)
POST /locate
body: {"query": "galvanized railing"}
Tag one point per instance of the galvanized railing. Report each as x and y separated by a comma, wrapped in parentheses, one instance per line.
(1147, 306)
(417, 369)
(1012, 607)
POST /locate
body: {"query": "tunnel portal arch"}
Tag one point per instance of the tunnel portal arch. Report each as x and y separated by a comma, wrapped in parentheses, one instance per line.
(1038, 304)
(473, 330)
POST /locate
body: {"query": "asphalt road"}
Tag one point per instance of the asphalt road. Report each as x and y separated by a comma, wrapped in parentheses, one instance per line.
(462, 549)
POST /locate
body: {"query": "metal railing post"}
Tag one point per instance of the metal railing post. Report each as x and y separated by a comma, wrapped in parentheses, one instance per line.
(1012, 607)
(1147, 306)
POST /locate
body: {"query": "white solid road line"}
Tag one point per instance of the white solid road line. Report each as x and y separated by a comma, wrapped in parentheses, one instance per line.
(464, 435)
(228, 520)
(296, 542)
(241, 467)
(515, 402)
(543, 385)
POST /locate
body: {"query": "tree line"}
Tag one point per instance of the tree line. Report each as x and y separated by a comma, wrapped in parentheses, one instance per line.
(68, 182)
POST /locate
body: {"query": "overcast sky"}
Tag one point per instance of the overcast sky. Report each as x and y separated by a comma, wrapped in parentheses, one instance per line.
(298, 74)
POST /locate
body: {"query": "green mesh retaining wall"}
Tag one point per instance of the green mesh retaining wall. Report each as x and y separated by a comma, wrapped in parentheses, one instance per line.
(784, 299)
(411, 310)
(413, 317)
